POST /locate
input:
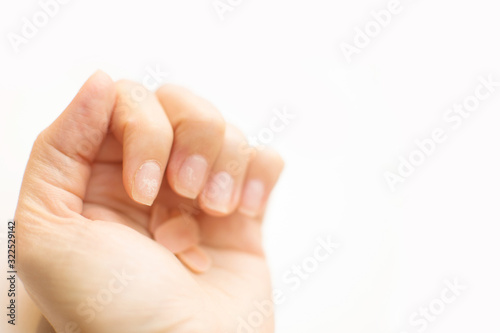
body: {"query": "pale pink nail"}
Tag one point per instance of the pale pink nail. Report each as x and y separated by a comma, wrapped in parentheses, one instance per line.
(252, 198)
(218, 193)
(147, 183)
(178, 234)
(196, 259)
(191, 176)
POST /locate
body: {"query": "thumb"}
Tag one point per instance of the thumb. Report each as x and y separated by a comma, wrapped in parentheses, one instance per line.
(58, 170)
(59, 165)
(55, 182)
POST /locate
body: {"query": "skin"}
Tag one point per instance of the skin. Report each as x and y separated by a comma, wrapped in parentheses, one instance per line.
(96, 254)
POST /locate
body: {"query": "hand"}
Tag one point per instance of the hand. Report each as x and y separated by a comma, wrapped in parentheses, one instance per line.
(142, 212)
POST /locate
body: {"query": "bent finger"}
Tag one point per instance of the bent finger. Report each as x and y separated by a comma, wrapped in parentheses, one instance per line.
(142, 127)
(199, 133)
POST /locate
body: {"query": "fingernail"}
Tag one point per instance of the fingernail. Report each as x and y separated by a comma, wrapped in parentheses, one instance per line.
(218, 193)
(178, 234)
(196, 259)
(191, 176)
(252, 197)
(147, 183)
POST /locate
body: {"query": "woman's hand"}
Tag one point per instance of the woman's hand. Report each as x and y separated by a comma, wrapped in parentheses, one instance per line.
(141, 212)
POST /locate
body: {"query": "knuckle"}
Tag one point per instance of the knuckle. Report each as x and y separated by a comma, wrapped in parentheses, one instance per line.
(235, 135)
(271, 157)
(169, 89)
(217, 124)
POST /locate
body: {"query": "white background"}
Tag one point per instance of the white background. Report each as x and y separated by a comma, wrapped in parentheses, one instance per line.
(353, 121)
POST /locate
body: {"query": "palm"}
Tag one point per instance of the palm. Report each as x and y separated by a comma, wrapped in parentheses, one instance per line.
(239, 272)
